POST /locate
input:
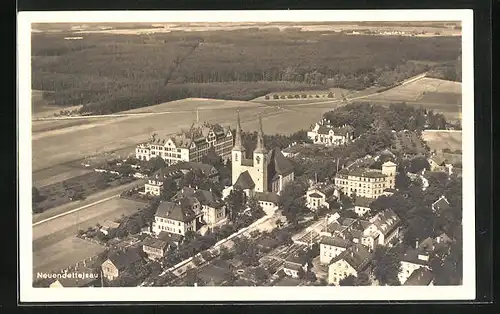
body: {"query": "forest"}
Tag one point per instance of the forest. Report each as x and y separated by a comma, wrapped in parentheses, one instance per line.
(108, 73)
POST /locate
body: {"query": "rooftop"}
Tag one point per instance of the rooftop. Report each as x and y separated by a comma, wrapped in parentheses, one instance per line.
(386, 221)
(267, 197)
(335, 241)
(357, 256)
(122, 260)
(175, 211)
(154, 243)
(279, 163)
(362, 201)
(441, 204)
(362, 172)
(420, 277)
(244, 181)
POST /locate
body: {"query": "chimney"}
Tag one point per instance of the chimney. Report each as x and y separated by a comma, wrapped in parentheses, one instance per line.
(416, 244)
(438, 239)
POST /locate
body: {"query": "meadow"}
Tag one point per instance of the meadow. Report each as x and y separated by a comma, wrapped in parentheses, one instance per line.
(439, 140)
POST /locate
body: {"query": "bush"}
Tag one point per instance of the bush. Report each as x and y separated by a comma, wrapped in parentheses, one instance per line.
(290, 96)
(317, 96)
(276, 97)
(197, 261)
(330, 95)
(266, 97)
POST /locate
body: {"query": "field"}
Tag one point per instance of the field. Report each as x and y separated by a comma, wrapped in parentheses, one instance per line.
(439, 140)
(425, 87)
(52, 148)
(54, 239)
(58, 193)
(433, 94)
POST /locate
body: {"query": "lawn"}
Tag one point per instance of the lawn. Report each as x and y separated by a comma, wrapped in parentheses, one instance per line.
(439, 140)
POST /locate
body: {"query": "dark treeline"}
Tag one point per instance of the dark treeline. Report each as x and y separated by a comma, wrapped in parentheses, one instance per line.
(397, 117)
(116, 72)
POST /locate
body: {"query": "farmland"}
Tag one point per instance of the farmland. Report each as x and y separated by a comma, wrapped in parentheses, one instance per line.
(439, 140)
(53, 240)
(87, 183)
(55, 147)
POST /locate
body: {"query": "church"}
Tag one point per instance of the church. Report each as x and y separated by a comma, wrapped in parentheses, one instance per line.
(264, 174)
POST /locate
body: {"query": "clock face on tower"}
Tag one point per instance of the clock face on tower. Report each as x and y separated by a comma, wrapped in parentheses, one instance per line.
(257, 159)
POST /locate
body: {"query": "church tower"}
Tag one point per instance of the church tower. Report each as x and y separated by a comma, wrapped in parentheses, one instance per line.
(238, 152)
(260, 161)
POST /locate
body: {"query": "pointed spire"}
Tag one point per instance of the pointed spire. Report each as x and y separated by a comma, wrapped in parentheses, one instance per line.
(237, 141)
(260, 138)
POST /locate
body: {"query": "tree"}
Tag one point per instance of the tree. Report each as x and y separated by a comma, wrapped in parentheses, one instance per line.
(256, 210)
(402, 181)
(235, 202)
(361, 280)
(192, 278)
(292, 201)
(154, 164)
(169, 188)
(418, 164)
(386, 266)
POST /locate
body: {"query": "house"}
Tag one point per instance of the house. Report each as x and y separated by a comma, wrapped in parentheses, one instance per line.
(352, 261)
(179, 217)
(155, 248)
(109, 226)
(321, 195)
(439, 163)
(268, 201)
(154, 186)
(294, 265)
(361, 205)
(84, 278)
(420, 277)
(414, 258)
(440, 204)
(265, 171)
(116, 263)
(387, 225)
(389, 192)
(331, 247)
(213, 209)
(190, 146)
(292, 150)
(328, 135)
(366, 182)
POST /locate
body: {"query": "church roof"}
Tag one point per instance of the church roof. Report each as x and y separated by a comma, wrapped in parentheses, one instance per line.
(281, 165)
(245, 181)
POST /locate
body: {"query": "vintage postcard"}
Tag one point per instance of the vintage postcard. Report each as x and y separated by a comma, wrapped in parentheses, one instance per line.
(250, 155)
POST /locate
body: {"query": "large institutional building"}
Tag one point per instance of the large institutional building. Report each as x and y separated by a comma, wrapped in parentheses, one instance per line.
(365, 182)
(325, 134)
(266, 171)
(189, 146)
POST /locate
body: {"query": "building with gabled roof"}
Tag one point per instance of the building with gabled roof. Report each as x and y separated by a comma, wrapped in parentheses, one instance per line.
(116, 263)
(328, 135)
(350, 262)
(321, 195)
(420, 277)
(387, 226)
(440, 204)
(366, 182)
(330, 247)
(191, 145)
(177, 217)
(204, 202)
(266, 172)
(294, 265)
(361, 205)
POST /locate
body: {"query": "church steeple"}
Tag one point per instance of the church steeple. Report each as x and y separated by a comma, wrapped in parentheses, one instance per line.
(238, 146)
(260, 139)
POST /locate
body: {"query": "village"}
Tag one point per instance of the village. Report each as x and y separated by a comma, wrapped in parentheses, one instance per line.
(327, 206)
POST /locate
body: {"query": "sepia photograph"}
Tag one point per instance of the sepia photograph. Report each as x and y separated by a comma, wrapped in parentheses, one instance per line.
(250, 155)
